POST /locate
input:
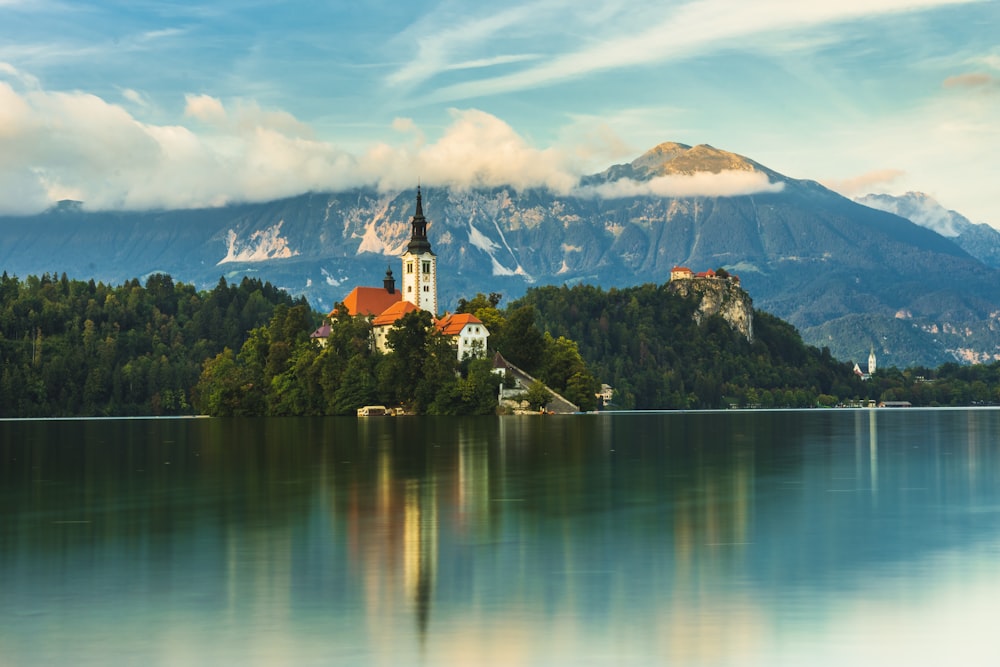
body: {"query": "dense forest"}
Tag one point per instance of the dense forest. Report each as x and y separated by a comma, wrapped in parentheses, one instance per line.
(72, 348)
(644, 342)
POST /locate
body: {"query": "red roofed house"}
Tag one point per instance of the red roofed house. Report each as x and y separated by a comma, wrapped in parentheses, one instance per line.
(467, 331)
(680, 273)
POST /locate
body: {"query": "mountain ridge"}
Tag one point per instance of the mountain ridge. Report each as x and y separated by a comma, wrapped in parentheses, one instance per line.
(980, 240)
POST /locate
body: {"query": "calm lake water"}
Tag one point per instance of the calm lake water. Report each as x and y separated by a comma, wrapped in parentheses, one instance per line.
(734, 538)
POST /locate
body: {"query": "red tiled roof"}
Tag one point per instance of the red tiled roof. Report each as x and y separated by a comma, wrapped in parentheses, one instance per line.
(391, 314)
(680, 268)
(369, 300)
(452, 325)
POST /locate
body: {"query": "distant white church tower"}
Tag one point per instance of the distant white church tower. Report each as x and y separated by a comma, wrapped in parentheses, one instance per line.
(420, 265)
(871, 361)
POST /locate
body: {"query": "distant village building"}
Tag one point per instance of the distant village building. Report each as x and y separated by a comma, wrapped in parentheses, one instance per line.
(386, 305)
(605, 395)
(866, 373)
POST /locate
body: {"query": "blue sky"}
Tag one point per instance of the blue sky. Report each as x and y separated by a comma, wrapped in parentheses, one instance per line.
(151, 103)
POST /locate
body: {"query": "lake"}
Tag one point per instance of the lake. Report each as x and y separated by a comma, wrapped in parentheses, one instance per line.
(838, 537)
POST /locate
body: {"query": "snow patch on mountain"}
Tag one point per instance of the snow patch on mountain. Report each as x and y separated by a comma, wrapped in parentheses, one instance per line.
(261, 246)
(330, 279)
(381, 235)
(479, 240)
(567, 249)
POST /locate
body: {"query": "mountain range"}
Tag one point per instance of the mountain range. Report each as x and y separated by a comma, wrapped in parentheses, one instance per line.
(979, 240)
(848, 275)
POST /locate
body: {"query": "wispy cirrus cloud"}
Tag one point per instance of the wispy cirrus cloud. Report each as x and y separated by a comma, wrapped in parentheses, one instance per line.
(669, 31)
(457, 46)
(979, 80)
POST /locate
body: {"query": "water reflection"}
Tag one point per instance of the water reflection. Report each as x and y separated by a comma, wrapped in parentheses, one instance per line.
(695, 539)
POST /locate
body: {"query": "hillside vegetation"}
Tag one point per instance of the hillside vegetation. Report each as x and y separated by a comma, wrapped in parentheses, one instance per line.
(645, 342)
(73, 348)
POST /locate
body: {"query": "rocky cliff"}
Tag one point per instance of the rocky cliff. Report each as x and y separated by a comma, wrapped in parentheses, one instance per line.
(718, 296)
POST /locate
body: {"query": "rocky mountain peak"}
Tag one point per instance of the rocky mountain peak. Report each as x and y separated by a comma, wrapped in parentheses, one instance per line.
(674, 158)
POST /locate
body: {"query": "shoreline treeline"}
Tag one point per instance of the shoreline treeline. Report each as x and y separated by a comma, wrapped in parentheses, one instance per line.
(72, 348)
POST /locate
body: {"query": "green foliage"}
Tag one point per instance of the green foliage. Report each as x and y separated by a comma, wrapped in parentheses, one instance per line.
(480, 302)
(475, 393)
(948, 385)
(519, 339)
(74, 348)
(537, 395)
(281, 372)
(645, 342)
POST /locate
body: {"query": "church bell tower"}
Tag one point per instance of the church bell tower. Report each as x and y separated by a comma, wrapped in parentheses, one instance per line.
(420, 265)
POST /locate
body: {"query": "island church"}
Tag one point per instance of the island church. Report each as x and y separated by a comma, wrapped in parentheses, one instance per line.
(386, 305)
(866, 374)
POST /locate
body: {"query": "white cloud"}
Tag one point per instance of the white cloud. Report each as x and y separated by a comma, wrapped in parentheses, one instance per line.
(57, 145)
(872, 181)
(135, 97)
(205, 108)
(703, 184)
(476, 150)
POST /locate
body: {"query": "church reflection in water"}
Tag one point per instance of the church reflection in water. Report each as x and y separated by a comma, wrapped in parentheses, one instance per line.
(521, 494)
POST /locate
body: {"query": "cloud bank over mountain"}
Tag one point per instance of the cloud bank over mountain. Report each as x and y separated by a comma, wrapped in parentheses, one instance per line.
(733, 183)
(74, 145)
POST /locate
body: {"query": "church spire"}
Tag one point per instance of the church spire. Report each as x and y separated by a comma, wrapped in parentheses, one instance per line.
(418, 237)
